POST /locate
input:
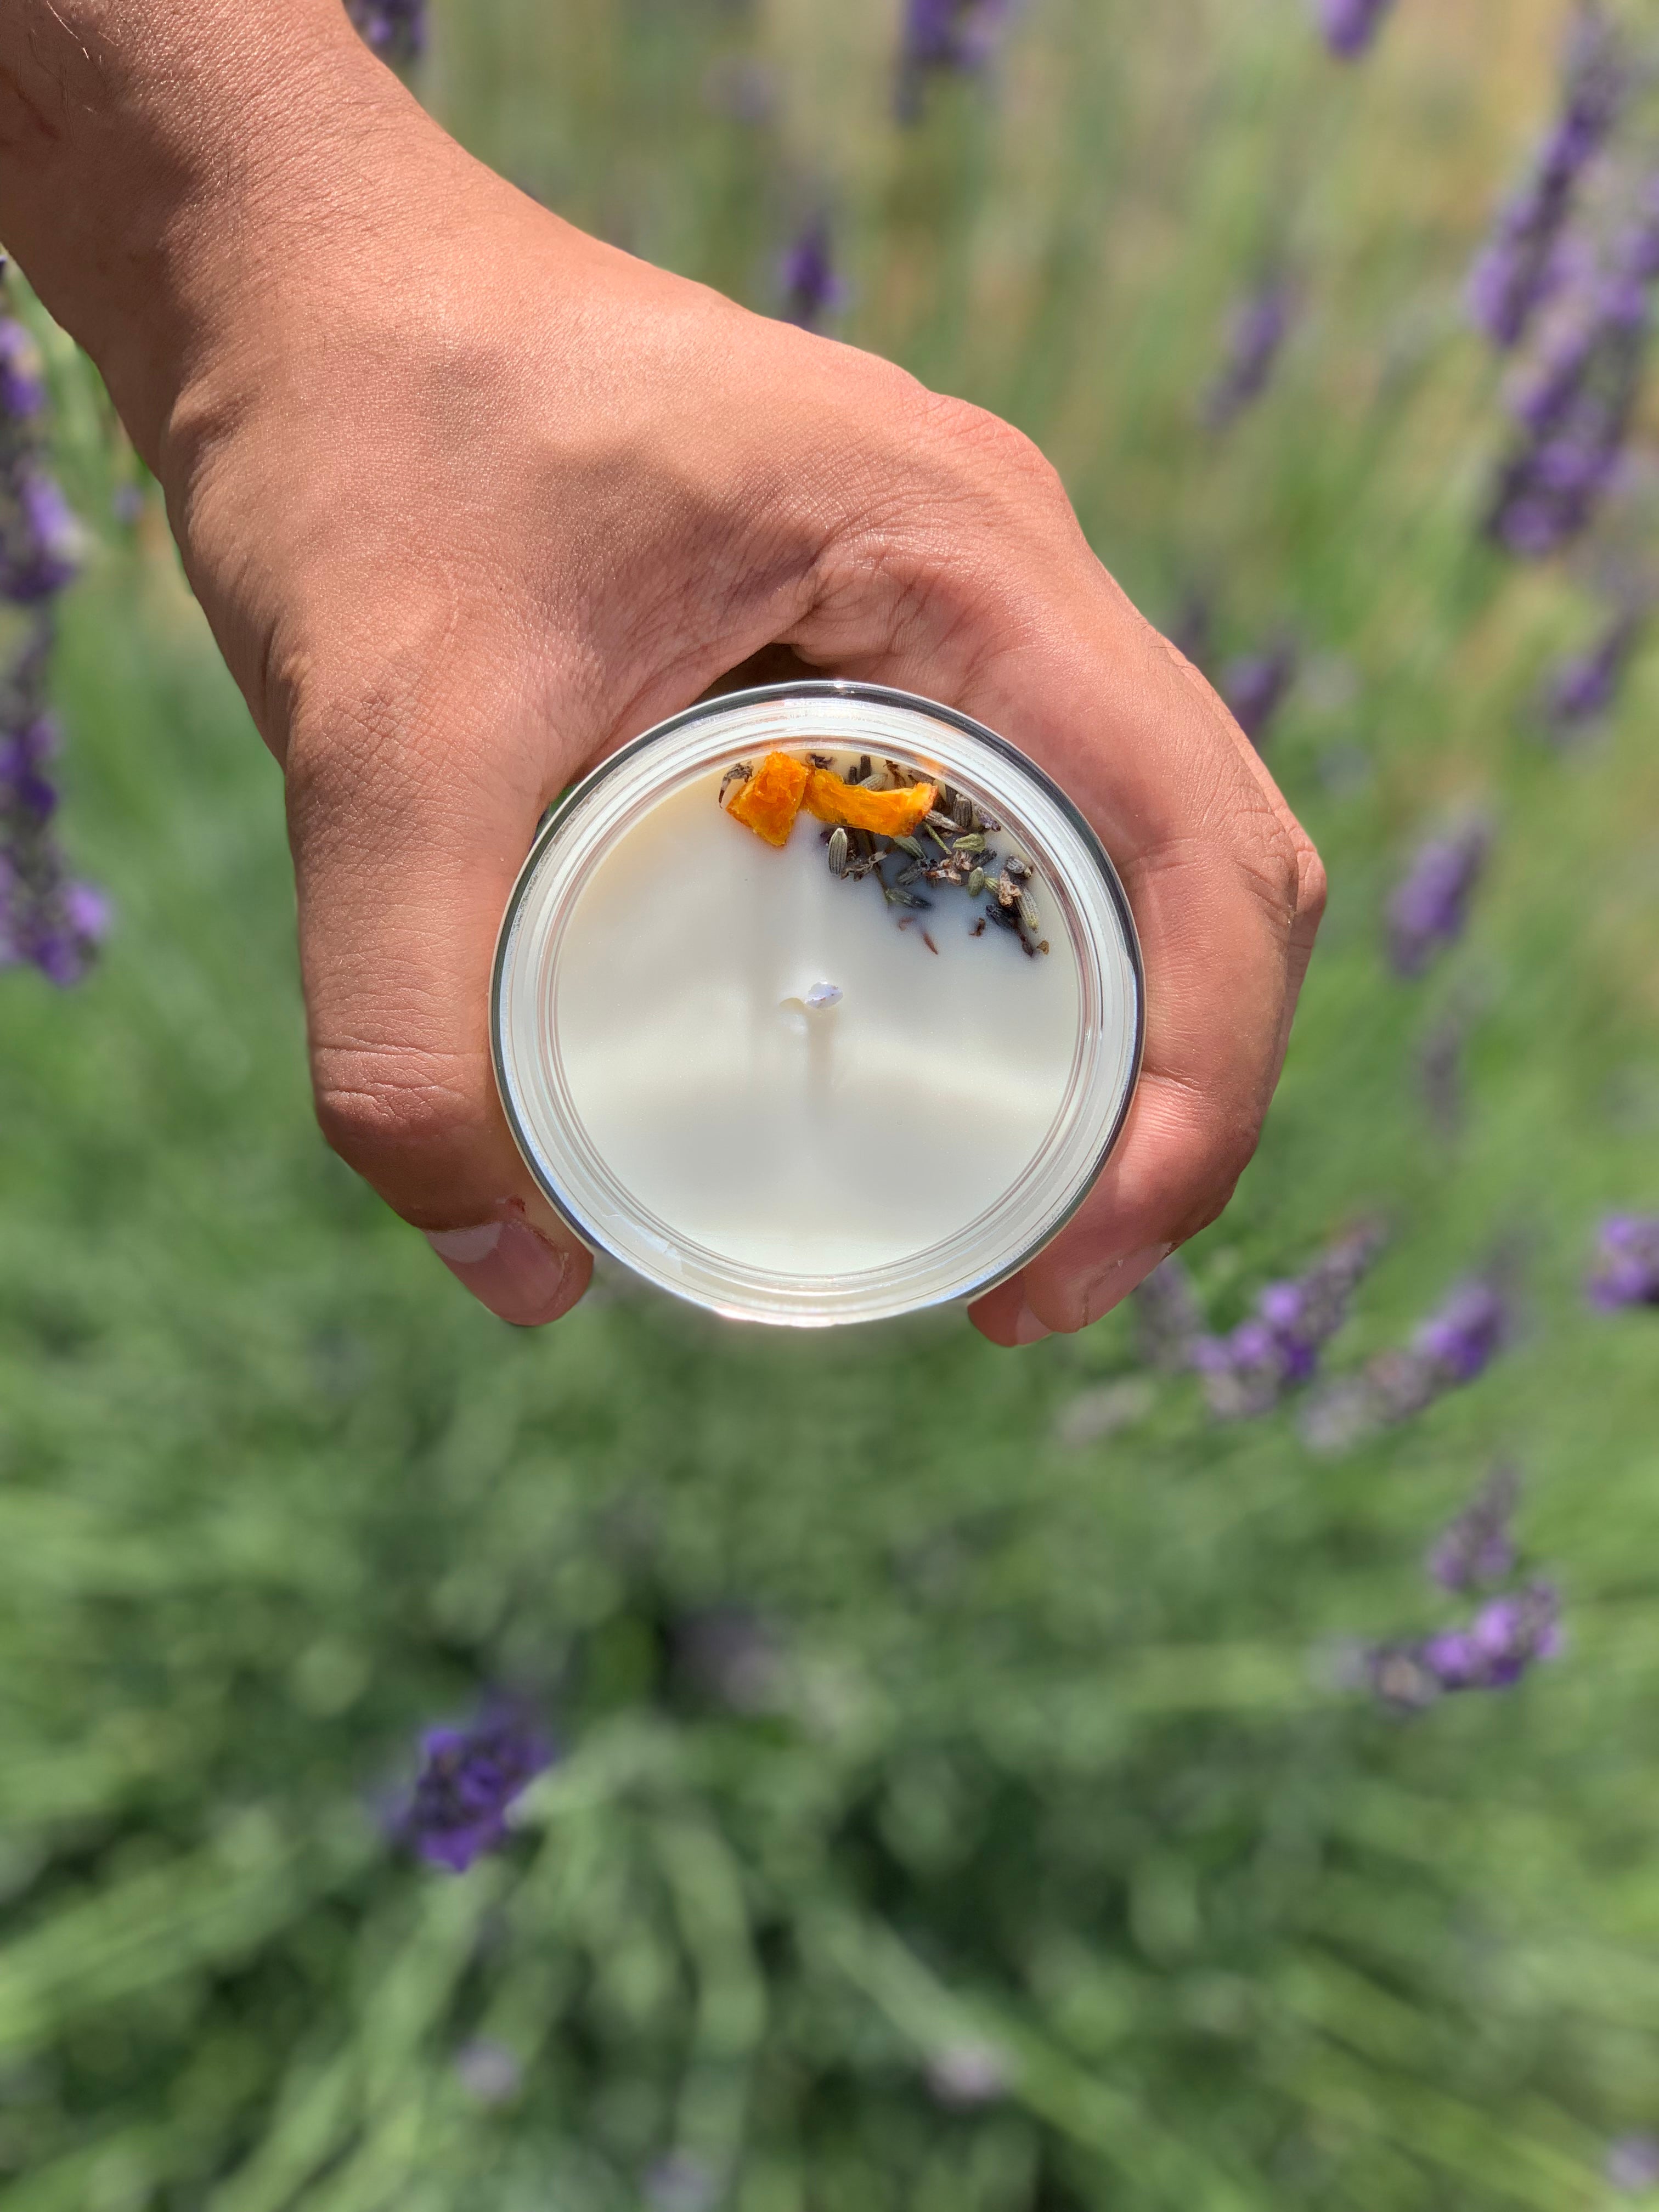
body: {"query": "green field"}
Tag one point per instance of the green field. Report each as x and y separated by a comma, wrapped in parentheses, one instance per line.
(1041, 1760)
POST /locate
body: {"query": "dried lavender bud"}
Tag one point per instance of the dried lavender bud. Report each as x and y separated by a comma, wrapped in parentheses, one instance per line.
(1255, 336)
(1627, 1271)
(394, 29)
(1255, 686)
(1478, 1546)
(1521, 265)
(1579, 689)
(807, 277)
(1350, 26)
(469, 1777)
(945, 37)
(1429, 907)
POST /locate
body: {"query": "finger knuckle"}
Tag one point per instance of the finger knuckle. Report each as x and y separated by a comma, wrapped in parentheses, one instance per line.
(394, 1114)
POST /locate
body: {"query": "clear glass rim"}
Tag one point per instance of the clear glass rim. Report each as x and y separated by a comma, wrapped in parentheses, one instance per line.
(604, 1215)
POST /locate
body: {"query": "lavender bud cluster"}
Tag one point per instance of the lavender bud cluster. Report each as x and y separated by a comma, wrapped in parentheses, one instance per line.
(1453, 1347)
(1430, 905)
(1580, 689)
(1523, 262)
(1255, 335)
(1477, 1547)
(1277, 1349)
(1350, 26)
(807, 278)
(945, 37)
(1575, 413)
(1627, 1271)
(468, 1779)
(1254, 687)
(47, 919)
(394, 29)
(1492, 1652)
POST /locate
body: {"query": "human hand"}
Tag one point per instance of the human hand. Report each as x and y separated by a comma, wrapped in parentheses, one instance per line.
(470, 498)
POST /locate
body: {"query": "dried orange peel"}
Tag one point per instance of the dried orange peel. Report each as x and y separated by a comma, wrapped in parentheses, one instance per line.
(855, 806)
(768, 801)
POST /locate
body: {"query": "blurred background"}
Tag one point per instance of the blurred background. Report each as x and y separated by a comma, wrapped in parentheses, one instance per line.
(1207, 1762)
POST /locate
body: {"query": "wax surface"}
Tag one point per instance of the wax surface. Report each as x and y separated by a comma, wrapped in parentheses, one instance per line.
(803, 1141)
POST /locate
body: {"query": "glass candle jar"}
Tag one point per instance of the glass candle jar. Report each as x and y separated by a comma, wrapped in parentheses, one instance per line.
(838, 1077)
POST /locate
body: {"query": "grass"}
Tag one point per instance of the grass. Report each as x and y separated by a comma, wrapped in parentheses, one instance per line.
(1047, 1754)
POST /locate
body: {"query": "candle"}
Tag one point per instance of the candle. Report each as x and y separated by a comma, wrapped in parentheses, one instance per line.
(797, 1069)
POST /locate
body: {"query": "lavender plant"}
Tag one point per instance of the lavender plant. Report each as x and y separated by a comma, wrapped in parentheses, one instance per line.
(469, 1777)
(807, 278)
(1256, 335)
(1254, 687)
(1479, 1545)
(1429, 906)
(394, 29)
(1492, 1652)
(1524, 260)
(1452, 1348)
(1349, 27)
(1575, 414)
(1277, 1349)
(945, 37)
(1627, 1270)
(47, 919)
(1578, 690)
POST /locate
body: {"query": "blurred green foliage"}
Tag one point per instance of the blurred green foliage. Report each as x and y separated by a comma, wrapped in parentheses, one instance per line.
(1033, 1771)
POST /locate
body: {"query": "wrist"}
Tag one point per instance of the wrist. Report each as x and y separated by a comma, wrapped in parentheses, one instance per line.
(162, 160)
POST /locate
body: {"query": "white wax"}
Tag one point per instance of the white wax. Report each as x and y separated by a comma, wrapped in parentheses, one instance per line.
(805, 1140)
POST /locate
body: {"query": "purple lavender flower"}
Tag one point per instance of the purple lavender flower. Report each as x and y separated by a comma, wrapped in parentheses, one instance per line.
(1255, 686)
(1521, 264)
(807, 278)
(1255, 336)
(1575, 414)
(394, 29)
(22, 376)
(45, 919)
(1349, 26)
(1453, 1347)
(1478, 1546)
(1492, 1652)
(945, 37)
(681, 2182)
(1626, 1271)
(1429, 906)
(1580, 688)
(468, 1779)
(1460, 1341)
(1632, 2164)
(1277, 1349)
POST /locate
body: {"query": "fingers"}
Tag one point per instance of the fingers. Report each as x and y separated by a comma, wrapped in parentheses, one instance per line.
(408, 831)
(1009, 618)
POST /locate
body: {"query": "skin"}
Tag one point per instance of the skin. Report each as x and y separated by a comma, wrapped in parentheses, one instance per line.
(469, 499)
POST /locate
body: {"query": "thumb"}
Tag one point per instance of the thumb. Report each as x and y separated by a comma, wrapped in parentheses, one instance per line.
(408, 827)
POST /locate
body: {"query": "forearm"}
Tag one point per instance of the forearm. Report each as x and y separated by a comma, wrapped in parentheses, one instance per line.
(159, 158)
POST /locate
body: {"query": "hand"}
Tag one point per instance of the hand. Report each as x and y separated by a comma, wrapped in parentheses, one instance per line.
(470, 498)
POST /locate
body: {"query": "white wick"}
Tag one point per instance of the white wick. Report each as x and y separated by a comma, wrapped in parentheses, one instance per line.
(823, 995)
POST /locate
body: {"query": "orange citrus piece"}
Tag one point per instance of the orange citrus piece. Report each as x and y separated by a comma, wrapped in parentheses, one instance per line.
(769, 801)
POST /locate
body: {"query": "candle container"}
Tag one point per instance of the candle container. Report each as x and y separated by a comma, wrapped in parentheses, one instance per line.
(833, 1076)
